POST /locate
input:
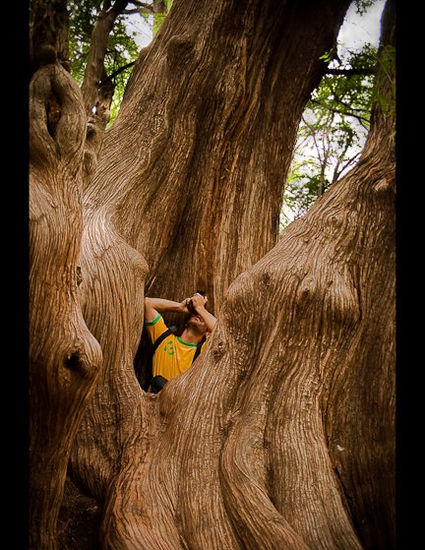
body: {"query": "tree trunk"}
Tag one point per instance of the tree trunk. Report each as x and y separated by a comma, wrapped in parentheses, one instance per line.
(49, 33)
(65, 359)
(204, 138)
(281, 435)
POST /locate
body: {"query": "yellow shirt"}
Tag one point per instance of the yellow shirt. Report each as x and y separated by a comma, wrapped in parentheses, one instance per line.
(173, 356)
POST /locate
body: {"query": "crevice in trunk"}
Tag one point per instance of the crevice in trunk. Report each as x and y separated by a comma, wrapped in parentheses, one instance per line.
(54, 112)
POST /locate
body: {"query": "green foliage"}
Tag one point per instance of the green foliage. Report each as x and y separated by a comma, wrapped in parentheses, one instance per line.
(335, 122)
(327, 57)
(159, 18)
(156, 19)
(386, 99)
(348, 94)
(122, 48)
(362, 5)
(303, 184)
(333, 129)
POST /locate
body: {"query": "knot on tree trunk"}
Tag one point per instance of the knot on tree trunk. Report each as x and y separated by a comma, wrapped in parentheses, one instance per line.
(45, 55)
(180, 50)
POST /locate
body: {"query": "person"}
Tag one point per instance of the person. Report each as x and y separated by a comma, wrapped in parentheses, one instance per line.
(175, 354)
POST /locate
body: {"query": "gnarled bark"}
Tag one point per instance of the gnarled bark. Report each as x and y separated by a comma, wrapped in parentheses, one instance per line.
(204, 137)
(282, 434)
(257, 445)
(151, 141)
(65, 358)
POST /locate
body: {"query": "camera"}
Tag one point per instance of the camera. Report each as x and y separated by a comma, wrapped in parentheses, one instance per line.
(190, 305)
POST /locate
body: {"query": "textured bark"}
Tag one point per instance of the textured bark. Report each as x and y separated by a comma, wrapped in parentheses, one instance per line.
(271, 439)
(97, 120)
(282, 433)
(64, 357)
(362, 440)
(205, 134)
(150, 142)
(49, 33)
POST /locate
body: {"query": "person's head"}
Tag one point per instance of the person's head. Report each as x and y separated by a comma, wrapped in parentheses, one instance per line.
(195, 322)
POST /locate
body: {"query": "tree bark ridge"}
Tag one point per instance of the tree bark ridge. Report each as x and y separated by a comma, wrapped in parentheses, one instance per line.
(65, 358)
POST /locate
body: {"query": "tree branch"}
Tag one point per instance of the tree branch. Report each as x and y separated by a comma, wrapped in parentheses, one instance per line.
(338, 171)
(117, 8)
(133, 11)
(49, 33)
(116, 73)
(141, 4)
(97, 88)
(351, 72)
(313, 135)
(360, 118)
(148, 9)
(95, 61)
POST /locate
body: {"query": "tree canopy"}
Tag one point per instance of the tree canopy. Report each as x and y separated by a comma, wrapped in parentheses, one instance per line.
(333, 129)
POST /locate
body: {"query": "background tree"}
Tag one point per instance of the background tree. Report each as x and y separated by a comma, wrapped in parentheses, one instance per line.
(121, 52)
(333, 129)
(246, 449)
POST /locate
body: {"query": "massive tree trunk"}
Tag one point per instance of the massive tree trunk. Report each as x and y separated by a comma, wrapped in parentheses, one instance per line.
(162, 179)
(205, 135)
(65, 357)
(281, 435)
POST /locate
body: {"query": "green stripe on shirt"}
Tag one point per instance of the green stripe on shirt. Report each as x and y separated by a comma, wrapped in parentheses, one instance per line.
(150, 323)
(185, 343)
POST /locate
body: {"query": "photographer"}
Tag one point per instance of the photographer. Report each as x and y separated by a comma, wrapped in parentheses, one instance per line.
(173, 354)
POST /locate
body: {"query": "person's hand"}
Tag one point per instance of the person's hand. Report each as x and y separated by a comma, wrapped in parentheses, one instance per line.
(184, 305)
(198, 301)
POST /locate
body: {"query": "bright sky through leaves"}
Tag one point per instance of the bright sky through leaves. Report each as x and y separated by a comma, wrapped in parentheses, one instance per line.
(317, 158)
(355, 32)
(358, 29)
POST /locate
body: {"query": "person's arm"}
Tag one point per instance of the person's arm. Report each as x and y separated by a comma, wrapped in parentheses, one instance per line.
(198, 303)
(155, 306)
